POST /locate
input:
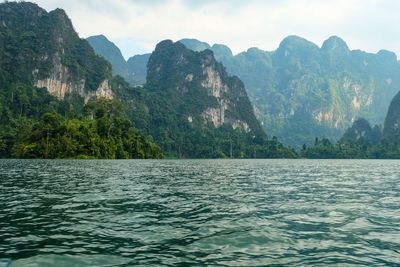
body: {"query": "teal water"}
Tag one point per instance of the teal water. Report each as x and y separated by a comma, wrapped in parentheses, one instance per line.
(200, 212)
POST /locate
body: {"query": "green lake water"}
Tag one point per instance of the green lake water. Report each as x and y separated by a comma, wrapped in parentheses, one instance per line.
(199, 212)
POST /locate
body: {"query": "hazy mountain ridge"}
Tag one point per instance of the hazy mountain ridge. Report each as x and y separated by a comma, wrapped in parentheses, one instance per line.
(362, 129)
(103, 47)
(137, 67)
(325, 88)
(133, 70)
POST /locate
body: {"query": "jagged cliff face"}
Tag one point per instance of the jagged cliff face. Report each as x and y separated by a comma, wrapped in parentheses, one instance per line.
(200, 87)
(60, 82)
(42, 48)
(218, 89)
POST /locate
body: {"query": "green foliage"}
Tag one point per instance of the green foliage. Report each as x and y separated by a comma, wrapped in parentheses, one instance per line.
(348, 148)
(33, 41)
(107, 138)
(344, 149)
(104, 107)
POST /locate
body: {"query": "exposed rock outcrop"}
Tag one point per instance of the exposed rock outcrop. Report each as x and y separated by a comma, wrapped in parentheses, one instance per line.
(60, 82)
(200, 87)
(42, 48)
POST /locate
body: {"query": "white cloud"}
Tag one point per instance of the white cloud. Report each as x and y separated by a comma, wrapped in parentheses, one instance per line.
(137, 25)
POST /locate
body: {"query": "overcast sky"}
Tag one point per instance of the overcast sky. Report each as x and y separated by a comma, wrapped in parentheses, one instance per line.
(136, 26)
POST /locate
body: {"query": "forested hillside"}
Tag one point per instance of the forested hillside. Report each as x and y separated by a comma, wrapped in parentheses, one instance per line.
(47, 73)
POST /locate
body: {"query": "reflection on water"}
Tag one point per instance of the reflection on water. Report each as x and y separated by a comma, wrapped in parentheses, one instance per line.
(216, 212)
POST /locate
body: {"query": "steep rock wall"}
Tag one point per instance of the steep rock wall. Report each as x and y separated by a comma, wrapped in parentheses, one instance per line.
(60, 82)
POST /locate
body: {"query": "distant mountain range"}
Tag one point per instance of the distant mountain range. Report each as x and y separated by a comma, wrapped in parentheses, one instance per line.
(133, 70)
(59, 99)
(301, 91)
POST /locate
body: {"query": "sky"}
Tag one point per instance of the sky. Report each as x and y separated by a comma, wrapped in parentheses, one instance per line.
(136, 26)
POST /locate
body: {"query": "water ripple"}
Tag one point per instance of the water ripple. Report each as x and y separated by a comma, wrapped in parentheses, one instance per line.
(200, 212)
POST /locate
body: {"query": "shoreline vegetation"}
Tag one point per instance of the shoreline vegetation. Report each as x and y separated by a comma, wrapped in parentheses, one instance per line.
(102, 134)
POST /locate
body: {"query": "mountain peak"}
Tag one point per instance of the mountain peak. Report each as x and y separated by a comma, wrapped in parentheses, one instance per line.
(169, 47)
(197, 78)
(221, 51)
(194, 44)
(387, 56)
(295, 41)
(335, 43)
(107, 49)
(98, 37)
(25, 7)
(164, 44)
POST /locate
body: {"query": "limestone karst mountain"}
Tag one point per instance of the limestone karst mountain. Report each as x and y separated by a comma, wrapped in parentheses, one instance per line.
(191, 107)
(43, 49)
(301, 91)
(47, 75)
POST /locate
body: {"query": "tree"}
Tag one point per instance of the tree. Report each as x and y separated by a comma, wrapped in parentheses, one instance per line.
(104, 107)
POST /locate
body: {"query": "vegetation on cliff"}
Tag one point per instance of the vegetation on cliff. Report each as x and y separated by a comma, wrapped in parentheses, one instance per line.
(301, 91)
(172, 107)
(31, 42)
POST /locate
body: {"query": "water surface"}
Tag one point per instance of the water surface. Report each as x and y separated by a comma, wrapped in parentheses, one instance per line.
(200, 212)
